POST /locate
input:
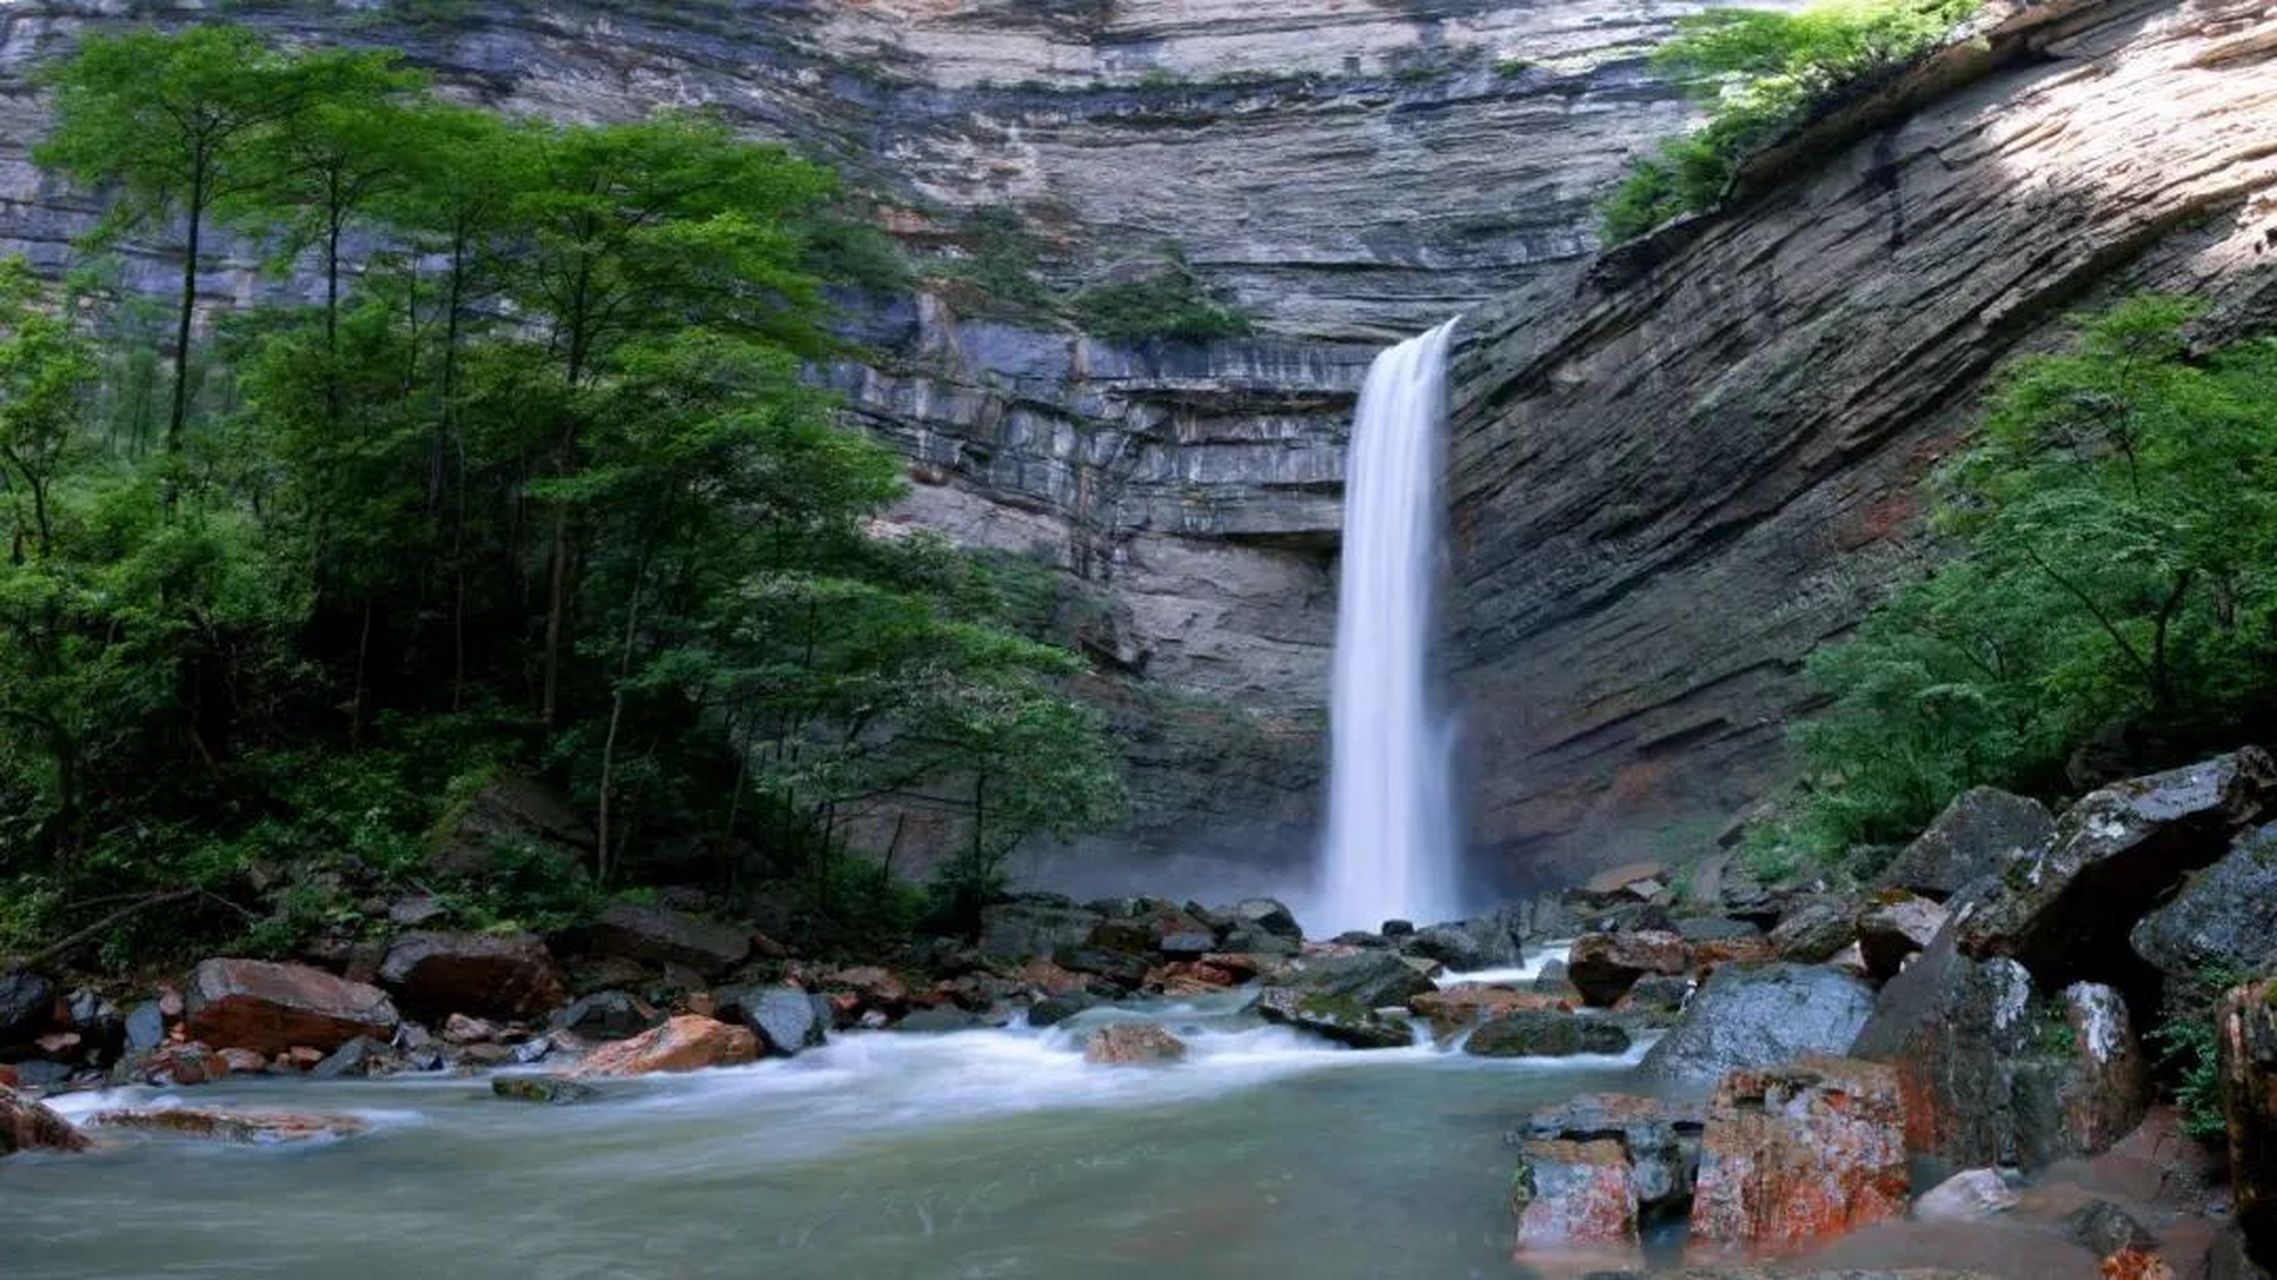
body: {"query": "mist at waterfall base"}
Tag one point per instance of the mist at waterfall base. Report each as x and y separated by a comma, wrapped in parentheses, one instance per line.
(1388, 851)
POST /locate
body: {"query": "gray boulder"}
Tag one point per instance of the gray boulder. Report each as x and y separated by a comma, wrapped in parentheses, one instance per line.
(1334, 1017)
(1979, 833)
(1660, 1138)
(1889, 932)
(1267, 914)
(1544, 1033)
(1993, 1073)
(607, 1015)
(1034, 925)
(27, 1007)
(2065, 911)
(661, 935)
(785, 1019)
(2225, 916)
(1373, 979)
(1489, 941)
(1758, 1016)
(1815, 930)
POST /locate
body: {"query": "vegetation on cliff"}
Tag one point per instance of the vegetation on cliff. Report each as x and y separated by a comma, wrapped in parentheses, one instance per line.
(1760, 73)
(2110, 603)
(533, 477)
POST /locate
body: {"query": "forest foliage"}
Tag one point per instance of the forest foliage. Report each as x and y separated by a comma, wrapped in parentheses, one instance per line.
(514, 465)
(1759, 73)
(2109, 606)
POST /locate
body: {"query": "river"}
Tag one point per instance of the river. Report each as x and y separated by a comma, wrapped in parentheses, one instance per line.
(988, 1153)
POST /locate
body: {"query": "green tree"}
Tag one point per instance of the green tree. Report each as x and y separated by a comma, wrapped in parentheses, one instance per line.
(175, 123)
(2114, 529)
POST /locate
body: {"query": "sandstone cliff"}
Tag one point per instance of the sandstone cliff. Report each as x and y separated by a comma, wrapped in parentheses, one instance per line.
(1675, 479)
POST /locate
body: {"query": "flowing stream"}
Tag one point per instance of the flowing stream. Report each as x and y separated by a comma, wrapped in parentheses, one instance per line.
(1390, 845)
(994, 1153)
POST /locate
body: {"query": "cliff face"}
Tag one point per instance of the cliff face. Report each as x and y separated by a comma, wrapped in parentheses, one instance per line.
(1674, 481)
(1349, 171)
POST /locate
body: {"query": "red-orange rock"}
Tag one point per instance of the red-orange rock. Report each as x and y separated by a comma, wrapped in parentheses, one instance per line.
(1042, 975)
(1800, 1153)
(877, 988)
(1711, 954)
(1128, 1044)
(1574, 1198)
(27, 1124)
(7, 1076)
(686, 1043)
(1469, 1002)
(254, 1004)
(1603, 966)
(2134, 1264)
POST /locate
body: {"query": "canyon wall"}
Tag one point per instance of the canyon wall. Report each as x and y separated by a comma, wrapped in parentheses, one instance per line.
(1675, 478)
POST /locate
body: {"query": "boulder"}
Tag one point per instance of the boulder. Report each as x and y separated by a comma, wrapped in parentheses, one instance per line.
(512, 811)
(1814, 930)
(2065, 911)
(1978, 835)
(1334, 1017)
(607, 1015)
(1635, 881)
(685, 1043)
(1801, 1153)
(509, 975)
(461, 1029)
(1699, 929)
(1711, 954)
(185, 1065)
(1892, 931)
(1043, 977)
(251, 1128)
(783, 1018)
(1757, 1017)
(1124, 970)
(2225, 917)
(1033, 925)
(1972, 1195)
(27, 1008)
(1053, 1010)
(943, 1019)
(1659, 1137)
(661, 935)
(359, 1058)
(871, 986)
(2245, 1030)
(27, 1124)
(145, 1027)
(244, 1062)
(1992, 1073)
(1267, 915)
(1545, 1034)
(1656, 999)
(1372, 979)
(1574, 1198)
(1132, 1044)
(2106, 1229)
(1603, 966)
(1489, 941)
(269, 1007)
(1468, 1003)
(552, 1091)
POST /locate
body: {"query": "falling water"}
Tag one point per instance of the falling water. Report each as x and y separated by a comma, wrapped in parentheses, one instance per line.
(1390, 846)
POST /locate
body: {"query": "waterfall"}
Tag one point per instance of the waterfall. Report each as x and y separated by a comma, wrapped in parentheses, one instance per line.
(1390, 846)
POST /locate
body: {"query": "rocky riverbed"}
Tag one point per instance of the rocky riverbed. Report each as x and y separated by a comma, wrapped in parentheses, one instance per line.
(1952, 1066)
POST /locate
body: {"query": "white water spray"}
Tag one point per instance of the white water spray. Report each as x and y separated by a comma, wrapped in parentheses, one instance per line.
(1390, 849)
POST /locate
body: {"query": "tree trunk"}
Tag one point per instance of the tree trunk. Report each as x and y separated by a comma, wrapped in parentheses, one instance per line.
(180, 415)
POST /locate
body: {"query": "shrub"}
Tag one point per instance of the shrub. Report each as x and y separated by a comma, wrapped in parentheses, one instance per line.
(1762, 72)
(1171, 304)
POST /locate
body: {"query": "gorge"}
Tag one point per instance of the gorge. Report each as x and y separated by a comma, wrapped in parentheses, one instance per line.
(1136, 653)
